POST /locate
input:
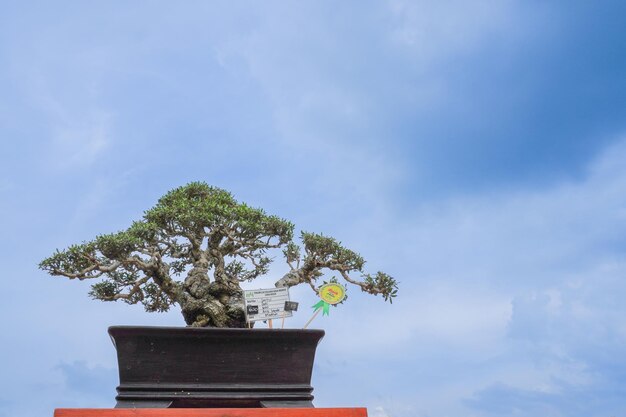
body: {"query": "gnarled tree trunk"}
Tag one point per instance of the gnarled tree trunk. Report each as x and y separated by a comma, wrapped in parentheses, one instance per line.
(211, 304)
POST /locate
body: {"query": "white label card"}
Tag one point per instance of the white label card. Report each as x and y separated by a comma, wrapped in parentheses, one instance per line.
(266, 304)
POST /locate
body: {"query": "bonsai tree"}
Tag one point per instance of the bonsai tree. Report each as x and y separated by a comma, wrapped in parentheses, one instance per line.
(195, 248)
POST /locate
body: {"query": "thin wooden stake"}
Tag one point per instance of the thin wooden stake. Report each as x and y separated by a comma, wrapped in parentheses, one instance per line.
(270, 323)
(311, 319)
(282, 324)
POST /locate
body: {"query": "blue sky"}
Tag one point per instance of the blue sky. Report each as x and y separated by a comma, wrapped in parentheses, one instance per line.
(473, 150)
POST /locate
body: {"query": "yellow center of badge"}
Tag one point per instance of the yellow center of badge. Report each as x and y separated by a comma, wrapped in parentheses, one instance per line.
(332, 293)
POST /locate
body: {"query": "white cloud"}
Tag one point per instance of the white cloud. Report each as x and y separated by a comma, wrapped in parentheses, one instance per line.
(78, 133)
(378, 412)
(431, 30)
(79, 143)
(521, 288)
(423, 319)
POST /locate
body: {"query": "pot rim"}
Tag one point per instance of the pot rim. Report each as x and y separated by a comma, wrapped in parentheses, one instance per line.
(211, 331)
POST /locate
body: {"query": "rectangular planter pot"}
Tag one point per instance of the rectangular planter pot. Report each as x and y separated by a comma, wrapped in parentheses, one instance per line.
(183, 367)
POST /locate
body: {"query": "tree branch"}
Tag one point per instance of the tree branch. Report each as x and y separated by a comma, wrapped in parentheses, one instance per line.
(126, 296)
(363, 285)
(101, 270)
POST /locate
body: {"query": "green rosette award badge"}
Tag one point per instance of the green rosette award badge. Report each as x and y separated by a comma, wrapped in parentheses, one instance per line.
(330, 294)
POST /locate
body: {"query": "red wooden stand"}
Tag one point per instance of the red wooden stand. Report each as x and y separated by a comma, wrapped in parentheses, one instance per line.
(210, 412)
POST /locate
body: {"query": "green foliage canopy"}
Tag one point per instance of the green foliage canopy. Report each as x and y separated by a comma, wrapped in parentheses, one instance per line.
(201, 232)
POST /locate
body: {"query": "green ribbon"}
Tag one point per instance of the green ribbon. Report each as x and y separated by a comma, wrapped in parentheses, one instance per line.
(324, 306)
